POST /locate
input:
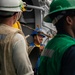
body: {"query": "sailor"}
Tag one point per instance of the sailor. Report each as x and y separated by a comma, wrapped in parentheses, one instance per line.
(14, 58)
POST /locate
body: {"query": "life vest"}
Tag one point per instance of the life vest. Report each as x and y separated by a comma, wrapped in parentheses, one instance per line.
(6, 35)
(51, 57)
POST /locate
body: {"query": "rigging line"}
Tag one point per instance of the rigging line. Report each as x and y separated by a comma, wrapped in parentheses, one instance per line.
(49, 36)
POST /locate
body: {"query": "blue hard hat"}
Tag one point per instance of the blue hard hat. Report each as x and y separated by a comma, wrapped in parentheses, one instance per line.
(36, 31)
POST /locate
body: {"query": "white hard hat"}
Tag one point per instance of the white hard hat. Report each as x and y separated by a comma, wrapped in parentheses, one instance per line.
(10, 5)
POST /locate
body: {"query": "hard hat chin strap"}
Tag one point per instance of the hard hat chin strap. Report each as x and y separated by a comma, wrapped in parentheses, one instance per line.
(56, 19)
(38, 39)
(18, 16)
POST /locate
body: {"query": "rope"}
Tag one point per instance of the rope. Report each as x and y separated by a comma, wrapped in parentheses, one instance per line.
(49, 36)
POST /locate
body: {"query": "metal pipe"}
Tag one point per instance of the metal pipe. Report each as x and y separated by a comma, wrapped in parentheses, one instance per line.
(34, 7)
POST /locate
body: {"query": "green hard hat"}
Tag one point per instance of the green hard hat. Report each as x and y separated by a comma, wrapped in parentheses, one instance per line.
(58, 6)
